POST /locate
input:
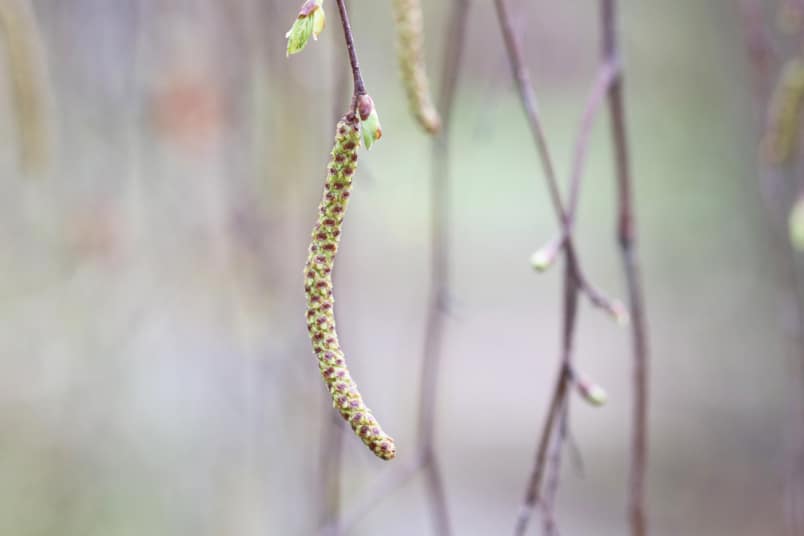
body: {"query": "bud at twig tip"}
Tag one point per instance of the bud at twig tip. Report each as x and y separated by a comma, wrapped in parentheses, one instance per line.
(620, 313)
(369, 120)
(592, 393)
(544, 257)
(310, 22)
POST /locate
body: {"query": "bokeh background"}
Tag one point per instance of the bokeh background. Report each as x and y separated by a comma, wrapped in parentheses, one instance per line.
(155, 376)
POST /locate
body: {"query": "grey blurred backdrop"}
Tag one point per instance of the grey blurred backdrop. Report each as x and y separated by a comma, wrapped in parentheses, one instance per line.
(155, 376)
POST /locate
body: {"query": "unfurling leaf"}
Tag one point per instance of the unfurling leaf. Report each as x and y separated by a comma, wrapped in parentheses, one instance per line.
(309, 23)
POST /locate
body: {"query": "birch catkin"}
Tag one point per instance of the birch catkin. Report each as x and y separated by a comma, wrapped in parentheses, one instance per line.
(410, 47)
(27, 72)
(318, 288)
(782, 131)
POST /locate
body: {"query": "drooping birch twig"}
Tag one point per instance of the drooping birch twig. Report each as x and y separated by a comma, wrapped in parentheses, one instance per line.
(556, 422)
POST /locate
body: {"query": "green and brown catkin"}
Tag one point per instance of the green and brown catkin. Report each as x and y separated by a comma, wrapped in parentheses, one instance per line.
(782, 131)
(410, 47)
(318, 288)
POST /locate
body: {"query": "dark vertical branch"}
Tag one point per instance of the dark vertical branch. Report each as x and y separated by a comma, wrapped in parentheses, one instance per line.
(626, 234)
(557, 418)
(529, 103)
(360, 87)
(556, 421)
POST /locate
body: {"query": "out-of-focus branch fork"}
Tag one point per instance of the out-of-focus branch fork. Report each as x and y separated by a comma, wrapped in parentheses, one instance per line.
(608, 82)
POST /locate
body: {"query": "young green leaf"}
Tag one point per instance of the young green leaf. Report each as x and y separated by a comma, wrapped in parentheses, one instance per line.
(309, 23)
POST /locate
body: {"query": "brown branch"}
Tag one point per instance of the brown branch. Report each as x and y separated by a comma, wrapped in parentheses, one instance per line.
(558, 402)
(626, 234)
(607, 74)
(529, 104)
(554, 478)
(575, 281)
(359, 86)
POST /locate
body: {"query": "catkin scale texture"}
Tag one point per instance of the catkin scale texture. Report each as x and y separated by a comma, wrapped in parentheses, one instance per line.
(318, 289)
(410, 48)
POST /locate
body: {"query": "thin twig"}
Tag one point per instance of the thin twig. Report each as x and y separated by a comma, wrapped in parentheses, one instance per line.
(574, 278)
(529, 103)
(626, 234)
(558, 403)
(359, 86)
(568, 335)
(606, 76)
(554, 478)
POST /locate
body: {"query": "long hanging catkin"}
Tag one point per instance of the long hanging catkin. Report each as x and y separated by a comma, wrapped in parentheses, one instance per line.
(410, 48)
(318, 288)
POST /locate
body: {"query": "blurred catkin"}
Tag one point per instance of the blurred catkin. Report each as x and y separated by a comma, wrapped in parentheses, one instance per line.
(410, 48)
(27, 73)
(320, 300)
(782, 130)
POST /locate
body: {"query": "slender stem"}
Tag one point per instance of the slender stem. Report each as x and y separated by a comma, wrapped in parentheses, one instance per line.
(606, 76)
(626, 234)
(360, 87)
(574, 278)
(554, 478)
(558, 401)
(526, 94)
